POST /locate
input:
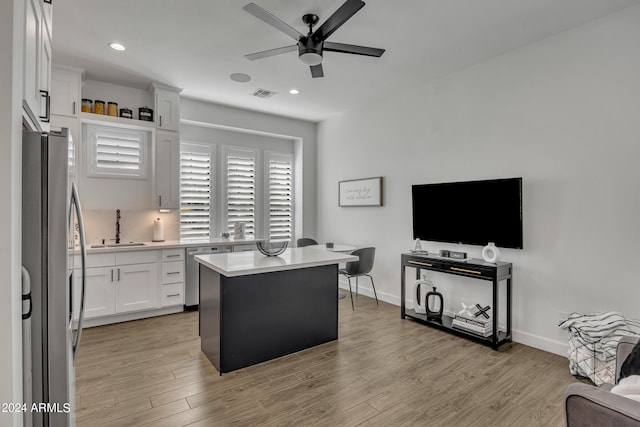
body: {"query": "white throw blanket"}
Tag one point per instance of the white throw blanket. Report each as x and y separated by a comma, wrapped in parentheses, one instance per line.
(628, 387)
(593, 339)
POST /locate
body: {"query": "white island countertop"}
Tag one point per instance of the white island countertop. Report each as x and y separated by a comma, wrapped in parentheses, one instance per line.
(243, 263)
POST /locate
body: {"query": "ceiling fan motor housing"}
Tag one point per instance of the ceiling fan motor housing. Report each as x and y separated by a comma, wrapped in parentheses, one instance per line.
(310, 50)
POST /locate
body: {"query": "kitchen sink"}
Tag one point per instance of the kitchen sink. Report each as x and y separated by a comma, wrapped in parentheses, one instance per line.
(119, 245)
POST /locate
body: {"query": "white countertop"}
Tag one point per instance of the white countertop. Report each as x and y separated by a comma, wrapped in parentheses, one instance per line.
(168, 244)
(243, 263)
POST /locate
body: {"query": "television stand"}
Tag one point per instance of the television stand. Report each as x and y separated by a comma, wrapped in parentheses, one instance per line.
(475, 269)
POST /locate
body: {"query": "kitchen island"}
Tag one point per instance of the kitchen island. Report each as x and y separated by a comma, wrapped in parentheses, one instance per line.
(255, 308)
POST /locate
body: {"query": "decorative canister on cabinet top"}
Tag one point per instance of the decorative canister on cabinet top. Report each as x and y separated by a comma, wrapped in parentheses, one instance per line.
(87, 105)
(98, 106)
(145, 114)
(112, 109)
(126, 113)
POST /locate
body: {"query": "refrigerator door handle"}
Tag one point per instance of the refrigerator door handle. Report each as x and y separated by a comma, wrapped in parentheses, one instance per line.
(75, 201)
(26, 292)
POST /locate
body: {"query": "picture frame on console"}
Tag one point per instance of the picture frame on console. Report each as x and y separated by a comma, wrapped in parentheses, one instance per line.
(360, 192)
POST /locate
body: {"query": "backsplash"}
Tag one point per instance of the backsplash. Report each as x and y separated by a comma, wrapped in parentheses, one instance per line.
(135, 225)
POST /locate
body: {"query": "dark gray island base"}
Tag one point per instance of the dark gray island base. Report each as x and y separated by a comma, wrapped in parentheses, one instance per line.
(253, 318)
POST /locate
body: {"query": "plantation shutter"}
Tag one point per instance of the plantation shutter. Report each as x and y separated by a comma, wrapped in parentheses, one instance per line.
(196, 194)
(241, 192)
(280, 169)
(117, 152)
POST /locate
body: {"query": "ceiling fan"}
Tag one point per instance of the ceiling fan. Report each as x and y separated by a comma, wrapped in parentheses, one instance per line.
(312, 45)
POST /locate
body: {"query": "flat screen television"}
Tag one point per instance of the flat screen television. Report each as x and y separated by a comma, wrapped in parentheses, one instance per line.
(470, 212)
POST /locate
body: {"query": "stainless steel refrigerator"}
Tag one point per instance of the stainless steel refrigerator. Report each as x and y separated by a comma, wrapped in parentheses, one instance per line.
(52, 246)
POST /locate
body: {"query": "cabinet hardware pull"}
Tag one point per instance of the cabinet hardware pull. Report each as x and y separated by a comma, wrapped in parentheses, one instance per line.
(47, 1)
(464, 270)
(44, 94)
(421, 263)
(112, 274)
(173, 272)
(160, 200)
(74, 108)
(160, 121)
(118, 275)
(173, 256)
(173, 295)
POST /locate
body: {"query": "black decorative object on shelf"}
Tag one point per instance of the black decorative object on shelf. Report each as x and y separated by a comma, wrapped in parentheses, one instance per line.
(272, 248)
(482, 311)
(434, 304)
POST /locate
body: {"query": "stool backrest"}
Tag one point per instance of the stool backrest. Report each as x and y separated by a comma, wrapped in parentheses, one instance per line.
(364, 264)
(306, 241)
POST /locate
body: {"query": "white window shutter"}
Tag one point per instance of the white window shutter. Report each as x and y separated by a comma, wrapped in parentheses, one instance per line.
(280, 170)
(241, 192)
(196, 191)
(116, 152)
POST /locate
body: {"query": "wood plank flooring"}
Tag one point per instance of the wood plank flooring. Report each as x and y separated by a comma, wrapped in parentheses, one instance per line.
(382, 371)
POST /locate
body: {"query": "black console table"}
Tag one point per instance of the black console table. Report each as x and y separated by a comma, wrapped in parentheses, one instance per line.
(474, 268)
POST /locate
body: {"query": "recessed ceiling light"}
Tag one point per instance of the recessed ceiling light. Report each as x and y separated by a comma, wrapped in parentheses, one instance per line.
(117, 46)
(240, 77)
(294, 91)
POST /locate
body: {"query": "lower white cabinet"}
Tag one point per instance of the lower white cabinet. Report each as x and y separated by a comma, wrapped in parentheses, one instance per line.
(100, 293)
(172, 277)
(136, 287)
(119, 282)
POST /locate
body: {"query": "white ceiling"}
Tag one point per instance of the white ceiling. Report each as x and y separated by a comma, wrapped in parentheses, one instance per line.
(197, 44)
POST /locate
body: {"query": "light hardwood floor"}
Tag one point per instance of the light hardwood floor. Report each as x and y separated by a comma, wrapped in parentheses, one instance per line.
(382, 371)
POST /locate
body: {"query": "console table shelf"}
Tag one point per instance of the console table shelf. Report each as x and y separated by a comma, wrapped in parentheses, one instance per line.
(473, 268)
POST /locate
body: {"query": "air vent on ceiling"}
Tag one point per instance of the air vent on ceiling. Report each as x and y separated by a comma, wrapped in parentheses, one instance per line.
(263, 93)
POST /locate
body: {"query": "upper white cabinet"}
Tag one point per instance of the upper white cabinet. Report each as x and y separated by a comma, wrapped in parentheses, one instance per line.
(37, 62)
(167, 103)
(167, 165)
(65, 91)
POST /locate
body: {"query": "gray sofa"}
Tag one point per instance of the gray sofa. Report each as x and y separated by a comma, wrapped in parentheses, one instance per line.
(586, 405)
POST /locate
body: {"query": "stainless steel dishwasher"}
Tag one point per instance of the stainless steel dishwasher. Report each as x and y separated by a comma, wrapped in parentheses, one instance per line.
(192, 278)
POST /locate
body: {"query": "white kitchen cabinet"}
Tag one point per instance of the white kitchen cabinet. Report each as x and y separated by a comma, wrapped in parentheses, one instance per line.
(167, 170)
(65, 91)
(119, 282)
(136, 287)
(172, 277)
(100, 299)
(37, 62)
(167, 103)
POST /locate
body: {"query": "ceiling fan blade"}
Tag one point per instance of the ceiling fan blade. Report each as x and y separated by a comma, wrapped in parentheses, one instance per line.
(351, 48)
(275, 22)
(271, 52)
(316, 71)
(339, 17)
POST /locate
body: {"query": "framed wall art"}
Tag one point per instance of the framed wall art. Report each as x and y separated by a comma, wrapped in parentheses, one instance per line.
(360, 192)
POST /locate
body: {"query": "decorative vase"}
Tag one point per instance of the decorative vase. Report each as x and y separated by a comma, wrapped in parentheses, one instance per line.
(491, 253)
(419, 295)
(434, 304)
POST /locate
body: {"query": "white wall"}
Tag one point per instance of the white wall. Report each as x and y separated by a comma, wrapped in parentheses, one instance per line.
(11, 31)
(564, 114)
(302, 132)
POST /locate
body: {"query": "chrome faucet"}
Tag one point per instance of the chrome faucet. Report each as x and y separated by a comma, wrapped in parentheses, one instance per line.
(117, 226)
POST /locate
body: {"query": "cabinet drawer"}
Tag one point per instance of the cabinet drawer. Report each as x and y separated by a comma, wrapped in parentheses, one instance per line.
(245, 248)
(471, 270)
(425, 263)
(172, 294)
(97, 260)
(173, 255)
(172, 272)
(136, 257)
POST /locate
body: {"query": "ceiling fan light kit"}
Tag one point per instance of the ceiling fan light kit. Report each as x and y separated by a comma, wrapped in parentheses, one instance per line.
(311, 47)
